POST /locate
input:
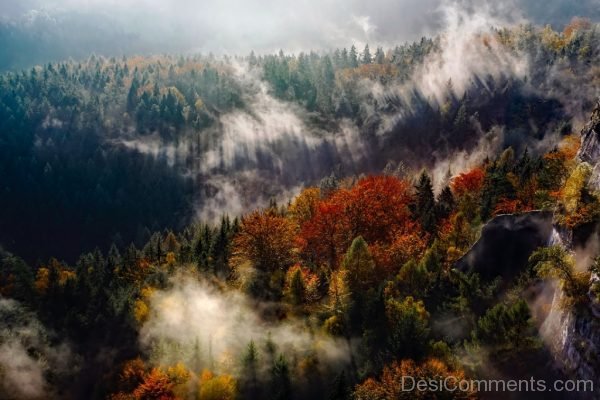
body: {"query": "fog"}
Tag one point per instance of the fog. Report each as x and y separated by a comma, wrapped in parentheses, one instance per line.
(188, 321)
(237, 26)
(27, 358)
(271, 149)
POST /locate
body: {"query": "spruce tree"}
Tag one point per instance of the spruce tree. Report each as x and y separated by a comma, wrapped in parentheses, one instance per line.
(366, 55)
(425, 203)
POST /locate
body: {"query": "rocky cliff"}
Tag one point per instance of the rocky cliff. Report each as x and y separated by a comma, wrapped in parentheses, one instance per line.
(573, 336)
(590, 146)
(507, 241)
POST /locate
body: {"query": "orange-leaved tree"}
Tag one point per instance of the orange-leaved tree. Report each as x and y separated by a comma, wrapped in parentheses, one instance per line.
(467, 188)
(266, 240)
(376, 208)
(393, 384)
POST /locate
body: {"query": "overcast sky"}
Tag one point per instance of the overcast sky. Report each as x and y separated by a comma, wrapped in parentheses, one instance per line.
(237, 26)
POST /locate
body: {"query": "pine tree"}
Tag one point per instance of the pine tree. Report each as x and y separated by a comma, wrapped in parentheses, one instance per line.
(339, 388)
(220, 248)
(250, 371)
(425, 203)
(196, 362)
(281, 387)
(445, 203)
(132, 96)
(297, 288)
(353, 57)
(366, 56)
(361, 269)
(379, 56)
(345, 60)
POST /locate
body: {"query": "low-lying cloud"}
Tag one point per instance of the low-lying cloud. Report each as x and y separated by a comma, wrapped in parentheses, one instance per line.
(216, 326)
(26, 356)
(235, 26)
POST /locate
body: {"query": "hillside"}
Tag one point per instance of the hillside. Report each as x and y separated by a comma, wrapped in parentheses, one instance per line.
(305, 225)
(139, 144)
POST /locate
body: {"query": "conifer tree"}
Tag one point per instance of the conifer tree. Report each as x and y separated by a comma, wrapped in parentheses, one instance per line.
(425, 203)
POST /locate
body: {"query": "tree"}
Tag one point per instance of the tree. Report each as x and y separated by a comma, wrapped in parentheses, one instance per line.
(297, 288)
(413, 279)
(339, 302)
(379, 56)
(366, 56)
(468, 183)
(132, 375)
(132, 96)
(216, 387)
(408, 327)
(265, 240)
(577, 24)
(220, 249)
(467, 188)
(156, 386)
(170, 244)
(579, 206)
(393, 385)
(202, 247)
(281, 387)
(16, 278)
(339, 389)
(409, 243)
(303, 208)
(250, 371)
(323, 237)
(506, 330)
(424, 206)
(362, 272)
(353, 57)
(555, 262)
(445, 203)
(376, 208)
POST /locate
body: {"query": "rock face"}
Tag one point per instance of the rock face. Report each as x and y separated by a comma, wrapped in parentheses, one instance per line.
(573, 336)
(590, 146)
(506, 243)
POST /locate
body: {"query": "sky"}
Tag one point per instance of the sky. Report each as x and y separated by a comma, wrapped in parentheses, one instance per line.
(265, 26)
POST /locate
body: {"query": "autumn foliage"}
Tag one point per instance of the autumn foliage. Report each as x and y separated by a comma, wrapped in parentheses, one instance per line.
(577, 24)
(266, 240)
(376, 208)
(389, 385)
(468, 182)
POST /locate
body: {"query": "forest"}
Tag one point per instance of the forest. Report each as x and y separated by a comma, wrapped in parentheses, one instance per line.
(288, 226)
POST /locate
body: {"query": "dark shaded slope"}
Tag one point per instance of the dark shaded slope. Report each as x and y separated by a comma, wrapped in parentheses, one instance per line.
(506, 243)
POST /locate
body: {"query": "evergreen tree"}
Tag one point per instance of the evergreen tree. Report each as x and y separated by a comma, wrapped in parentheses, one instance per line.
(132, 96)
(366, 56)
(353, 57)
(281, 387)
(250, 371)
(339, 388)
(379, 56)
(445, 203)
(297, 288)
(425, 203)
(360, 266)
(344, 59)
(220, 249)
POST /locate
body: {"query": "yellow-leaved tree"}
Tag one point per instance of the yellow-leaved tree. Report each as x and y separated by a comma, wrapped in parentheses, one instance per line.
(216, 387)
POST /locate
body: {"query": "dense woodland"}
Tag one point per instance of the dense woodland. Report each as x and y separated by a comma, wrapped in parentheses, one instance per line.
(361, 258)
(69, 186)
